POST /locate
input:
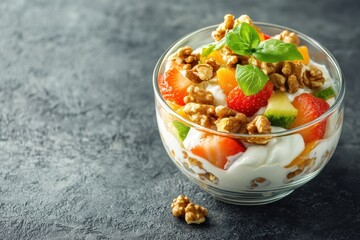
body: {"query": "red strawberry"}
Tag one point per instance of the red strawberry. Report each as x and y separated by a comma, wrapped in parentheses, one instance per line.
(249, 105)
(309, 108)
(173, 86)
(216, 149)
(266, 37)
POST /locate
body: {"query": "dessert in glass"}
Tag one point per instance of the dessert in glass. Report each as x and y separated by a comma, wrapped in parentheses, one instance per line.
(249, 111)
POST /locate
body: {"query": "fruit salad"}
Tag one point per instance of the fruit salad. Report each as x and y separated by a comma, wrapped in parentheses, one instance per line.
(243, 108)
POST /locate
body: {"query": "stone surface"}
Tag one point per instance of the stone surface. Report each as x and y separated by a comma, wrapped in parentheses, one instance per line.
(80, 153)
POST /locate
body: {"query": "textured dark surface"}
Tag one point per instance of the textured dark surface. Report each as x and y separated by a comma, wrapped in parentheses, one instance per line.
(81, 157)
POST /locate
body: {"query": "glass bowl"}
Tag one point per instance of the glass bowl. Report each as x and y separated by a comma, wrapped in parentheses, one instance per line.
(265, 173)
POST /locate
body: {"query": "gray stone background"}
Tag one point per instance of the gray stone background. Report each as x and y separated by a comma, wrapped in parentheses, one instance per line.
(81, 157)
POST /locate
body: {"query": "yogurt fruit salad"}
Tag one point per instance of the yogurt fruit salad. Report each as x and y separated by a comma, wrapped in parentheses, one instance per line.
(249, 111)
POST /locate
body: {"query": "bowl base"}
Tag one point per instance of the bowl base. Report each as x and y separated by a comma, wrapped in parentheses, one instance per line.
(251, 201)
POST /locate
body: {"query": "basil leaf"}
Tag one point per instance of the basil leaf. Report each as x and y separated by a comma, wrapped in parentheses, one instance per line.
(274, 50)
(243, 39)
(220, 44)
(250, 79)
(206, 51)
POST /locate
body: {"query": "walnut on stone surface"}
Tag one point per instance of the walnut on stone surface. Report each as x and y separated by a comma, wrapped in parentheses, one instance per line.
(288, 37)
(195, 214)
(178, 205)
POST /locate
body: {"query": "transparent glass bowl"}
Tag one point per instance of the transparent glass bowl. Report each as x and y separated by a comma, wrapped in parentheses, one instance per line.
(269, 173)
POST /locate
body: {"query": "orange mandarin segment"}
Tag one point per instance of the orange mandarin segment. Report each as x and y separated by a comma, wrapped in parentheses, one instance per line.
(226, 79)
(262, 37)
(302, 159)
(305, 54)
(174, 106)
(218, 57)
(181, 112)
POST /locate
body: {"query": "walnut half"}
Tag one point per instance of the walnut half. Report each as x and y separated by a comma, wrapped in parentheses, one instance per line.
(195, 214)
(225, 26)
(288, 37)
(186, 56)
(262, 125)
(230, 120)
(202, 114)
(197, 94)
(178, 205)
(200, 72)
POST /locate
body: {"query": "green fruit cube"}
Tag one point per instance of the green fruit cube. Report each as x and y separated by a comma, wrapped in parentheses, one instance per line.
(181, 129)
(280, 111)
(325, 93)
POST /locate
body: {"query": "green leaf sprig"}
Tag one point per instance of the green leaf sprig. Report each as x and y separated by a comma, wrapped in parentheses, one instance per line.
(244, 40)
(206, 51)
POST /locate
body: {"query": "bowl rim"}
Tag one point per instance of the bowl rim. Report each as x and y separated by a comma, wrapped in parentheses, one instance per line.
(331, 59)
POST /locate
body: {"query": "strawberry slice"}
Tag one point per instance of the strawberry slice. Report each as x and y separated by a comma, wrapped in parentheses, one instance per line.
(216, 149)
(309, 108)
(249, 105)
(266, 37)
(173, 86)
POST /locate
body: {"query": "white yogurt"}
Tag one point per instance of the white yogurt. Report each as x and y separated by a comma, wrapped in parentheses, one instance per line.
(278, 151)
(217, 92)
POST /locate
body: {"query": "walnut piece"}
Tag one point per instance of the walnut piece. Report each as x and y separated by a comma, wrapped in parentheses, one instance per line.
(313, 77)
(279, 81)
(262, 125)
(268, 68)
(195, 214)
(178, 205)
(223, 112)
(244, 18)
(198, 95)
(212, 62)
(230, 120)
(200, 72)
(186, 56)
(209, 176)
(293, 75)
(259, 181)
(286, 76)
(290, 76)
(230, 57)
(202, 114)
(222, 29)
(288, 37)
